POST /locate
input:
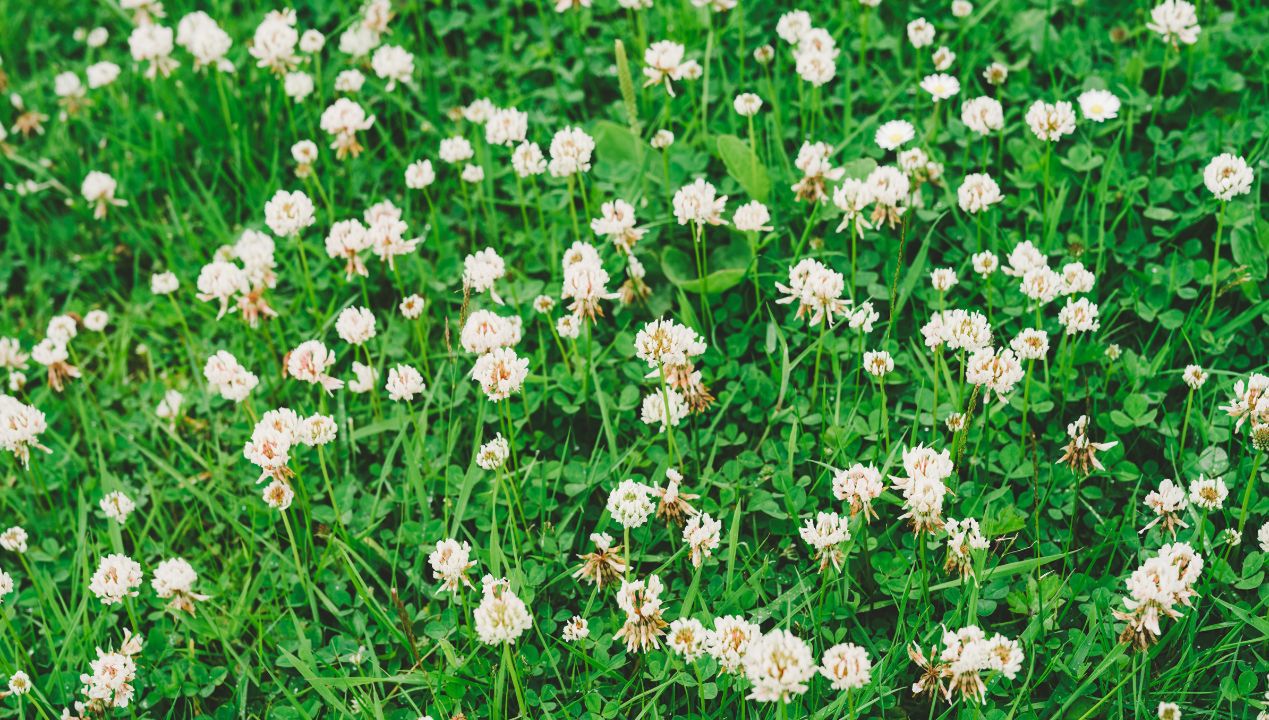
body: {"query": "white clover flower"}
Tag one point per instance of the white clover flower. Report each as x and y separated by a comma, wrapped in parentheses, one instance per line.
(825, 533)
(1079, 316)
(312, 42)
(169, 408)
(450, 561)
(894, 134)
(1051, 121)
(394, 64)
(961, 8)
(662, 139)
(792, 25)
(310, 362)
(686, 638)
(983, 115)
(662, 343)
(164, 283)
(317, 430)
(6, 585)
(747, 104)
(67, 85)
(846, 666)
(101, 74)
(203, 38)
(500, 373)
(585, 283)
(99, 190)
(278, 495)
(890, 189)
(817, 290)
(701, 535)
(663, 63)
(630, 504)
(357, 41)
(977, 193)
(943, 279)
(117, 576)
(1167, 502)
(1025, 258)
(1208, 493)
(1077, 279)
(920, 33)
(943, 59)
(19, 682)
(617, 223)
(419, 175)
(364, 378)
(298, 85)
(577, 628)
(852, 197)
(923, 488)
(815, 67)
(940, 86)
(698, 203)
(96, 320)
(878, 363)
(1194, 376)
(729, 641)
(1155, 590)
(221, 281)
(641, 601)
(1175, 21)
(1227, 176)
(569, 327)
(778, 666)
(343, 119)
(14, 540)
(481, 270)
(1098, 105)
(996, 73)
(527, 160)
(985, 263)
(859, 485)
(996, 370)
(404, 382)
(174, 578)
(288, 213)
(507, 127)
(117, 506)
(485, 331)
(1030, 344)
(570, 151)
(493, 454)
(1043, 285)
(274, 42)
(304, 153)
(501, 617)
(349, 81)
(153, 44)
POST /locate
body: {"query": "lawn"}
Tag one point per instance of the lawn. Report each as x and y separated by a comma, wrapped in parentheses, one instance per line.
(635, 359)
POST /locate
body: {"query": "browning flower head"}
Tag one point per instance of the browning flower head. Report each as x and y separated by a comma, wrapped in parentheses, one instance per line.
(1080, 454)
(604, 566)
(674, 506)
(644, 626)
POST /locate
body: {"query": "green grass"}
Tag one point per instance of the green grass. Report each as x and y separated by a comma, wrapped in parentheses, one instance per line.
(197, 154)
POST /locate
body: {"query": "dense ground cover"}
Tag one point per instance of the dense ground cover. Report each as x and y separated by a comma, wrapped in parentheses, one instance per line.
(642, 359)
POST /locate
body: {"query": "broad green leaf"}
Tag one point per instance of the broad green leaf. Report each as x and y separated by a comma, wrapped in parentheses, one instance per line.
(727, 268)
(744, 167)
